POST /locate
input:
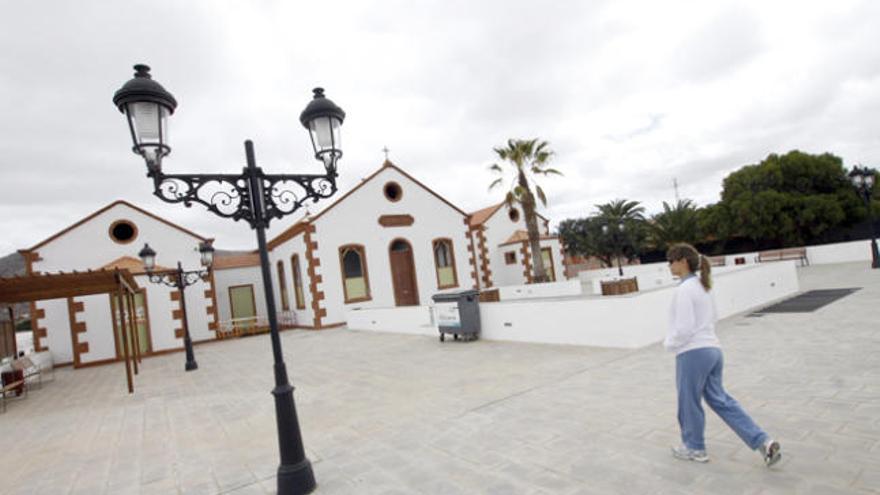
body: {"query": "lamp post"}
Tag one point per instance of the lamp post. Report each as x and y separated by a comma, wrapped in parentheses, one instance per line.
(180, 280)
(863, 180)
(616, 234)
(252, 196)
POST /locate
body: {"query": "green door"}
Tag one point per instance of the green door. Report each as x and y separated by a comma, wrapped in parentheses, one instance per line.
(243, 307)
(142, 320)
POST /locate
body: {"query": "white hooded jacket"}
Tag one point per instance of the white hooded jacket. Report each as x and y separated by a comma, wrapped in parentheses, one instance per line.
(692, 318)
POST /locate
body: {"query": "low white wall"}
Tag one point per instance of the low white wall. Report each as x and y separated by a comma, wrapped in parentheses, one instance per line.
(415, 320)
(628, 321)
(650, 276)
(841, 252)
(553, 289)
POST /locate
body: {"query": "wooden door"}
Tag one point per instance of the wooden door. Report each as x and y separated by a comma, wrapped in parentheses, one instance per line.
(403, 274)
(547, 260)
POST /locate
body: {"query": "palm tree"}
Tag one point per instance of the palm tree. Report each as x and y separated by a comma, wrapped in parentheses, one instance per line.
(621, 222)
(677, 223)
(621, 210)
(527, 158)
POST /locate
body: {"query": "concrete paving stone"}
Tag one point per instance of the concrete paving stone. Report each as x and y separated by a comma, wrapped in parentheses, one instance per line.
(254, 488)
(869, 478)
(823, 489)
(159, 487)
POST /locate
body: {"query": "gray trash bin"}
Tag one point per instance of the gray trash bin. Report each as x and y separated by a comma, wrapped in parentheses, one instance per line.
(458, 314)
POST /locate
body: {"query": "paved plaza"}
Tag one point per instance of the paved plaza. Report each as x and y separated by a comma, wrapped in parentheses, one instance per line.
(384, 413)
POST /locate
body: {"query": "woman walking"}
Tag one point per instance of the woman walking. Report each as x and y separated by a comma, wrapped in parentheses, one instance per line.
(699, 362)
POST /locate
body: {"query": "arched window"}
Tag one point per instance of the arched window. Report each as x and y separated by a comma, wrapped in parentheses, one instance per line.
(297, 283)
(355, 280)
(444, 261)
(282, 287)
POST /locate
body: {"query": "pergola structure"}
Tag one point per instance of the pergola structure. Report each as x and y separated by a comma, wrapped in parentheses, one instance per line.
(119, 284)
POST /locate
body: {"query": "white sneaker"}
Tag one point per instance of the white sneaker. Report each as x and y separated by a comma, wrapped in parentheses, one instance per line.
(687, 454)
(771, 451)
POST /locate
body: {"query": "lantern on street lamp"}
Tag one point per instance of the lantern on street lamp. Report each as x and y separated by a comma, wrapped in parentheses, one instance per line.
(148, 256)
(206, 250)
(147, 107)
(324, 119)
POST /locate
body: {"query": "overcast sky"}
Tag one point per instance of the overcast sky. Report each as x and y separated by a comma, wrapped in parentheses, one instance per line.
(630, 95)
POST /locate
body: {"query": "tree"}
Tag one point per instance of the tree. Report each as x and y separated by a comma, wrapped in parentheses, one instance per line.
(527, 158)
(574, 235)
(790, 199)
(676, 223)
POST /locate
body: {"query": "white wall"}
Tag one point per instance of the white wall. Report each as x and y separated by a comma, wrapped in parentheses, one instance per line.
(355, 221)
(57, 325)
(283, 253)
(628, 321)
(841, 252)
(99, 335)
(503, 274)
(530, 291)
(415, 320)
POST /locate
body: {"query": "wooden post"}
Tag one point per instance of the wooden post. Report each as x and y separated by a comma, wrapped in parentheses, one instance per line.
(137, 340)
(14, 338)
(132, 334)
(120, 301)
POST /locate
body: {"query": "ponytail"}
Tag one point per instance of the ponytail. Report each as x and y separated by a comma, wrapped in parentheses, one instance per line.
(705, 272)
(697, 263)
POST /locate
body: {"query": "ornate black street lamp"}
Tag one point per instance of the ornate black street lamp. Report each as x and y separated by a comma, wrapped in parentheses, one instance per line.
(180, 280)
(252, 196)
(863, 180)
(616, 234)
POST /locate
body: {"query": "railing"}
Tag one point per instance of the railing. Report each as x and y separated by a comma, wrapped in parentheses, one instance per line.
(252, 325)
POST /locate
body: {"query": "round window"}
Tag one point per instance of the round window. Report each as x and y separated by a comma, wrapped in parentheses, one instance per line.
(123, 231)
(513, 214)
(393, 191)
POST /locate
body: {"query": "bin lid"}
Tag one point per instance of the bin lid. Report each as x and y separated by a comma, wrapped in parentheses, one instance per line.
(454, 295)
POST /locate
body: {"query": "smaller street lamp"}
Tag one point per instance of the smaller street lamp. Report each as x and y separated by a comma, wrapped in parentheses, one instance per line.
(863, 181)
(617, 240)
(180, 280)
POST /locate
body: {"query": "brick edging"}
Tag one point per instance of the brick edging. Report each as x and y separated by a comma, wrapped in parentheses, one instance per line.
(36, 315)
(312, 263)
(472, 255)
(484, 256)
(211, 295)
(76, 328)
(527, 262)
